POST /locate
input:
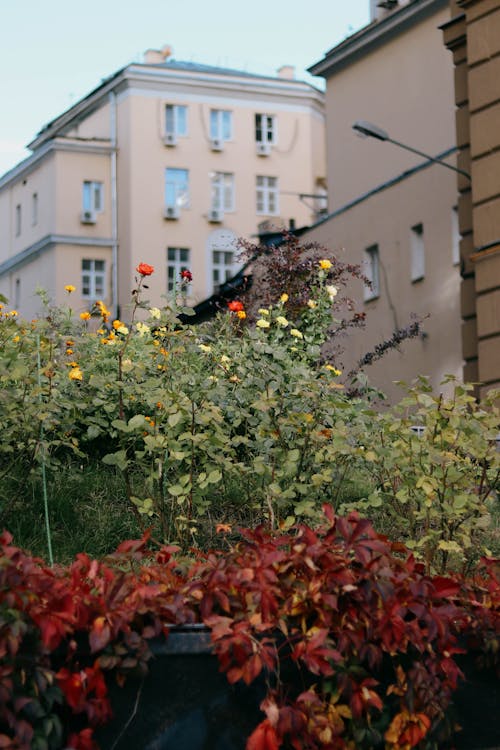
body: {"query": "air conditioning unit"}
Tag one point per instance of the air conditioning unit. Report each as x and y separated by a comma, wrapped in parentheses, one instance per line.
(215, 215)
(171, 212)
(88, 217)
(263, 149)
(216, 144)
(170, 139)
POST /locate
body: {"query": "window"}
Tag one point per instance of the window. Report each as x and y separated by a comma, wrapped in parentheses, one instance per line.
(221, 124)
(176, 119)
(17, 294)
(93, 279)
(223, 267)
(267, 195)
(177, 188)
(417, 251)
(222, 198)
(371, 271)
(265, 128)
(18, 220)
(93, 199)
(34, 209)
(177, 261)
(455, 236)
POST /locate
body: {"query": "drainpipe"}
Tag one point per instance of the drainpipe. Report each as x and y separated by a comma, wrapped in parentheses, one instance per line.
(114, 208)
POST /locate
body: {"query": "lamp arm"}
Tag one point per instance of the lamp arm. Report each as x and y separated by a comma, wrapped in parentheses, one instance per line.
(431, 158)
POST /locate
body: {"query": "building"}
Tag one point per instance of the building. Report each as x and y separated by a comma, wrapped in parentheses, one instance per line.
(473, 36)
(165, 162)
(391, 210)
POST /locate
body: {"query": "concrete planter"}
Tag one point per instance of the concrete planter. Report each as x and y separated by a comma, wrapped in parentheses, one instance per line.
(185, 703)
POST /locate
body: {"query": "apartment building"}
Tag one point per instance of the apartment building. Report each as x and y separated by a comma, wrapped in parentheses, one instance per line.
(391, 210)
(473, 37)
(165, 162)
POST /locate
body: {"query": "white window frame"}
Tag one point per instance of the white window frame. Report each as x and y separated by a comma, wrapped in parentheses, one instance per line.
(18, 220)
(221, 124)
(224, 265)
(417, 253)
(93, 196)
(178, 260)
(371, 269)
(267, 195)
(177, 188)
(265, 128)
(179, 116)
(222, 191)
(96, 283)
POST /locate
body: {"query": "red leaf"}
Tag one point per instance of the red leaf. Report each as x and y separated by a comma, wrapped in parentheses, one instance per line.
(264, 737)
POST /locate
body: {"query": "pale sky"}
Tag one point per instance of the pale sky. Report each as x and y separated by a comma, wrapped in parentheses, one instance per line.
(53, 52)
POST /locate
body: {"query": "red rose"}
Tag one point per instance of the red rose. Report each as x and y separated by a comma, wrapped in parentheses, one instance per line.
(144, 269)
(235, 305)
(187, 275)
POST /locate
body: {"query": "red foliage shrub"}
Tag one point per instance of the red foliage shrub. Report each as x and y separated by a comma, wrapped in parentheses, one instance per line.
(355, 641)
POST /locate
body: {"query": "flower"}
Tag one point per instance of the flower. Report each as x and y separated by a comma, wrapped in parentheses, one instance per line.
(69, 351)
(235, 305)
(241, 314)
(312, 303)
(296, 333)
(325, 264)
(261, 323)
(223, 528)
(186, 275)
(103, 310)
(284, 297)
(155, 313)
(70, 288)
(263, 311)
(142, 328)
(332, 291)
(280, 320)
(333, 369)
(13, 313)
(145, 269)
(16, 339)
(85, 316)
(204, 347)
(75, 373)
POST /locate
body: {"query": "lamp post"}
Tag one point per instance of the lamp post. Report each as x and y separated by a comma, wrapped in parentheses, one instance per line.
(365, 129)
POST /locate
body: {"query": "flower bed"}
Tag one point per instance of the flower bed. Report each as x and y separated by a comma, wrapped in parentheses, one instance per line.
(356, 644)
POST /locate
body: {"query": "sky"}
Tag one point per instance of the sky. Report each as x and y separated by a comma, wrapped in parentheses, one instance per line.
(54, 52)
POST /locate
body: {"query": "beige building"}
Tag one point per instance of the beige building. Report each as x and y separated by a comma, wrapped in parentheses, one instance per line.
(473, 36)
(167, 163)
(392, 210)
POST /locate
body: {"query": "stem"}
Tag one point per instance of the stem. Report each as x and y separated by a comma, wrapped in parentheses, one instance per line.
(42, 451)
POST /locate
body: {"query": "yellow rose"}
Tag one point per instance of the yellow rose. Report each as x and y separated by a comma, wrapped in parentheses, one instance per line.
(325, 264)
(312, 304)
(284, 297)
(296, 333)
(261, 323)
(70, 288)
(75, 374)
(280, 320)
(85, 316)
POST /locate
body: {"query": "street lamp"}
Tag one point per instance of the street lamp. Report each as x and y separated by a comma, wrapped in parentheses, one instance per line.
(364, 128)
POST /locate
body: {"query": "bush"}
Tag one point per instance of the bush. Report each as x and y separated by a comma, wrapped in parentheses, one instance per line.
(357, 643)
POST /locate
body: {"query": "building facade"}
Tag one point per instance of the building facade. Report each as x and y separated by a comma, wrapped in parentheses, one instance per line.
(390, 210)
(473, 36)
(165, 162)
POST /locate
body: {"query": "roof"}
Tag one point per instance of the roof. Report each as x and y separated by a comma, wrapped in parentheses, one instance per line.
(374, 35)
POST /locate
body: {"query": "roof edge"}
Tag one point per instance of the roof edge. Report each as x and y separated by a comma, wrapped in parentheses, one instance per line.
(374, 35)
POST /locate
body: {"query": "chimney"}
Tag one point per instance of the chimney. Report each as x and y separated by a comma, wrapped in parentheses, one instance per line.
(286, 71)
(381, 8)
(157, 56)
